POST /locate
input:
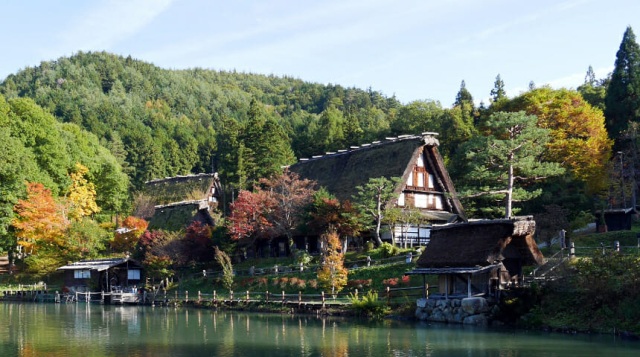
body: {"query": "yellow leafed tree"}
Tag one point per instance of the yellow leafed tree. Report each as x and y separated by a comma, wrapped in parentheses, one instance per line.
(82, 194)
(333, 275)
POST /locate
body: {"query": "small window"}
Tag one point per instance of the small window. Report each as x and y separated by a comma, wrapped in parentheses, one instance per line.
(401, 200)
(133, 274)
(82, 274)
(420, 182)
(420, 161)
(430, 181)
(420, 201)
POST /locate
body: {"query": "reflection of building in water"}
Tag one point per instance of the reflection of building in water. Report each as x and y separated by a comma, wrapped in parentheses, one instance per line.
(129, 317)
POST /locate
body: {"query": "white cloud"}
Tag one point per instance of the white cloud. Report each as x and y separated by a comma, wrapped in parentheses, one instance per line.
(110, 22)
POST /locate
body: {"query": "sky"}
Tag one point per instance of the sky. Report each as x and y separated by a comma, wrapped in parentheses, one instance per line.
(410, 49)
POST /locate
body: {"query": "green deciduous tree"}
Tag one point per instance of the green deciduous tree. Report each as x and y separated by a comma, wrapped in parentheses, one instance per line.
(502, 163)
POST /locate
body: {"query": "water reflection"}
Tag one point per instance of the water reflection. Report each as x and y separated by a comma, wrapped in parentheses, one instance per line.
(95, 330)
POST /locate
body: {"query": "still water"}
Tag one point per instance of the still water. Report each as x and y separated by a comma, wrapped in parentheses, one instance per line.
(96, 330)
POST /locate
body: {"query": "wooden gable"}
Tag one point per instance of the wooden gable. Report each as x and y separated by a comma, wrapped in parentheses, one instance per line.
(425, 183)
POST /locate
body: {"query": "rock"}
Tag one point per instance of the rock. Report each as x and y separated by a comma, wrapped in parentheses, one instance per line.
(437, 316)
(474, 305)
(478, 320)
(431, 303)
(442, 303)
(422, 302)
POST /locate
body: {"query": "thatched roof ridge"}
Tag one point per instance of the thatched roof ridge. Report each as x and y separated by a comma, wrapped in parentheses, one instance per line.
(481, 243)
(179, 188)
(178, 216)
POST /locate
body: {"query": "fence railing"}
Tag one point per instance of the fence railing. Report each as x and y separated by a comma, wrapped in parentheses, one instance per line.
(298, 268)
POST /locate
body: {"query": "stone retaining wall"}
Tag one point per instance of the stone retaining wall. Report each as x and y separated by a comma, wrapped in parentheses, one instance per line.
(468, 311)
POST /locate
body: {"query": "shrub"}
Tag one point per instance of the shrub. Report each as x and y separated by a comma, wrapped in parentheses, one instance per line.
(368, 246)
(389, 250)
(368, 305)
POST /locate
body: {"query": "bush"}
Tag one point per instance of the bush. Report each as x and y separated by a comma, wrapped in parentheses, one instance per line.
(389, 250)
(368, 246)
(368, 305)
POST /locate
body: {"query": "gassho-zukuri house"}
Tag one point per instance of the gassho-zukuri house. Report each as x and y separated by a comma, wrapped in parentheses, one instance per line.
(425, 183)
(474, 263)
(173, 203)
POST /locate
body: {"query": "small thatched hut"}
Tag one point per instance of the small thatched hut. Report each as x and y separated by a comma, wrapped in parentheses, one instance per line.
(479, 257)
(425, 183)
(173, 203)
(615, 219)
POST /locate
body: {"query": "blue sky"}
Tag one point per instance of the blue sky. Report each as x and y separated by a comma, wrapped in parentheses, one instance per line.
(415, 50)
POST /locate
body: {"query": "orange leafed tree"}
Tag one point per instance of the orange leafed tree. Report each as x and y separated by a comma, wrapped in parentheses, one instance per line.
(39, 219)
(333, 275)
(127, 236)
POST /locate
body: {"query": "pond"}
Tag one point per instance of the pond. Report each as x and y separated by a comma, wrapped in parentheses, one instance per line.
(97, 330)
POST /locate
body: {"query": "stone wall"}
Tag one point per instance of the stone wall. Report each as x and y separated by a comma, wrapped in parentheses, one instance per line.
(468, 311)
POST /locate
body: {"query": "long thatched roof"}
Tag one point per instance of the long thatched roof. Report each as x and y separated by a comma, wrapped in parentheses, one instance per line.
(342, 171)
(481, 243)
(179, 188)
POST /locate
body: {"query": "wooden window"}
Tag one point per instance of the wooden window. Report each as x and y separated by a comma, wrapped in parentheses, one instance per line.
(133, 274)
(82, 274)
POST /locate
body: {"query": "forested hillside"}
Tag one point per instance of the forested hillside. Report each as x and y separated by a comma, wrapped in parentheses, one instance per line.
(159, 122)
(162, 122)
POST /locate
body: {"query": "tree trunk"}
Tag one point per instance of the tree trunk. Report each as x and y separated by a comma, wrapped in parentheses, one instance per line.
(509, 197)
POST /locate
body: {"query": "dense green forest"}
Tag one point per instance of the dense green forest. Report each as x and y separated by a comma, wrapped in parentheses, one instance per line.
(128, 121)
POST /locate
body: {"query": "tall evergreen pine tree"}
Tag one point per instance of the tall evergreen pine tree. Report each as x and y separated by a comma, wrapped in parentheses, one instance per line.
(622, 101)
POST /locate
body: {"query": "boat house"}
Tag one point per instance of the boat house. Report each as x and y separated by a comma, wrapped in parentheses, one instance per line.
(107, 275)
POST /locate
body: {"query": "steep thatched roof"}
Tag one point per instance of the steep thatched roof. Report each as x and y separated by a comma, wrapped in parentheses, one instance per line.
(341, 172)
(178, 216)
(481, 243)
(180, 188)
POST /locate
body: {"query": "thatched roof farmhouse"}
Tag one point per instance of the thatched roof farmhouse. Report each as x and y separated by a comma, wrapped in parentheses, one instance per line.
(480, 257)
(173, 203)
(425, 183)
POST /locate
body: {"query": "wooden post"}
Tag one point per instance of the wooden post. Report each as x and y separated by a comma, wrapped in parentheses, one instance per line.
(176, 296)
(199, 296)
(572, 250)
(282, 297)
(231, 295)
(215, 298)
(356, 294)
(186, 295)
(76, 296)
(388, 295)
(322, 293)
(102, 297)
(247, 296)
(267, 295)
(299, 299)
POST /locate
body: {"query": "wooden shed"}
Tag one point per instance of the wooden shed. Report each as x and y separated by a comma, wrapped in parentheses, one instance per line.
(115, 274)
(616, 219)
(480, 257)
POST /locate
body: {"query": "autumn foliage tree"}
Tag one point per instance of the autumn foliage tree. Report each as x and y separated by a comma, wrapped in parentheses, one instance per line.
(126, 239)
(288, 195)
(248, 215)
(273, 209)
(82, 194)
(39, 222)
(333, 274)
(578, 139)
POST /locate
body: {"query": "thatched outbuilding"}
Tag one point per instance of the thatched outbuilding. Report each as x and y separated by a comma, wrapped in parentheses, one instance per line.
(425, 183)
(480, 257)
(173, 203)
